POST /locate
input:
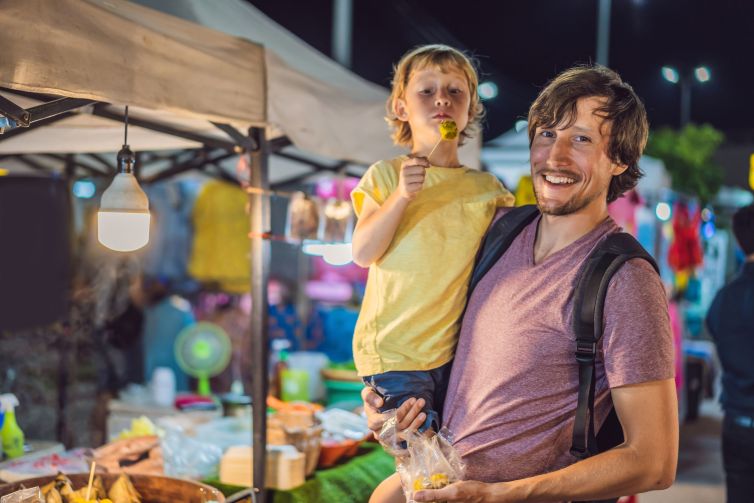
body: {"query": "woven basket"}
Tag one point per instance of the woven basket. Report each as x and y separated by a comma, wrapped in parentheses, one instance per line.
(306, 437)
(153, 489)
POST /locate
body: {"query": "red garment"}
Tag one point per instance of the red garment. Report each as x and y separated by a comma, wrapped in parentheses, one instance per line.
(685, 251)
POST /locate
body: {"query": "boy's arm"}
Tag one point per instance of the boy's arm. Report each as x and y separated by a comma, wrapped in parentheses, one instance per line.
(645, 461)
(377, 224)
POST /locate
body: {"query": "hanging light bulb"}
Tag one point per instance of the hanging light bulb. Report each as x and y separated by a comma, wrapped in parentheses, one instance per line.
(338, 254)
(123, 217)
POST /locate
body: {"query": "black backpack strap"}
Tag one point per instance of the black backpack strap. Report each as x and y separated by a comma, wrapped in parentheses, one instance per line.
(591, 290)
(498, 238)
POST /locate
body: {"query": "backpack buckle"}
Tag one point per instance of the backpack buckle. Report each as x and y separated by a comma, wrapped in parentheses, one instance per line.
(585, 351)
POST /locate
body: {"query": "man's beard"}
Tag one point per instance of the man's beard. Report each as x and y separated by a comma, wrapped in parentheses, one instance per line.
(573, 205)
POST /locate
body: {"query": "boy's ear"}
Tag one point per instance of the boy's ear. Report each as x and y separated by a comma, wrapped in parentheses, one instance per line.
(399, 109)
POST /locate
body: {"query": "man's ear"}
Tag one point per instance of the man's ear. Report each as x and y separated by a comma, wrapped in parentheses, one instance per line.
(618, 169)
(399, 109)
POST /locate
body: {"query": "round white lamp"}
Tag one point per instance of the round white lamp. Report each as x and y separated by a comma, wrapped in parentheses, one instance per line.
(123, 217)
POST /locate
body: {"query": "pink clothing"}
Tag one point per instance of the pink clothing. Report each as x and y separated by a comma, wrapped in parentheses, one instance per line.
(513, 388)
(676, 324)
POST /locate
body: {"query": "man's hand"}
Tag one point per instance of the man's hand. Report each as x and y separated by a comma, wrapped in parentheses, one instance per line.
(409, 415)
(411, 179)
(467, 490)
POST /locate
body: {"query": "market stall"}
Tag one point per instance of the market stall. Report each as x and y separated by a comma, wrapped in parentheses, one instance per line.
(186, 86)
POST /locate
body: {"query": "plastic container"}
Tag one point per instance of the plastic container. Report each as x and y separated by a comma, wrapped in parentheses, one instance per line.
(312, 362)
(294, 385)
(163, 386)
(278, 363)
(11, 434)
(235, 405)
(343, 391)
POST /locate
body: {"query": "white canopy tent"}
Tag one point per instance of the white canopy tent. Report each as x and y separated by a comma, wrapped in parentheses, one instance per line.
(323, 108)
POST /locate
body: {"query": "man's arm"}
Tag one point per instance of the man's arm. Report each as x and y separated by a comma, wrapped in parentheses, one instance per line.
(646, 460)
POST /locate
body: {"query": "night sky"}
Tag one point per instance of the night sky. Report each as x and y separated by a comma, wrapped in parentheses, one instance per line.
(521, 45)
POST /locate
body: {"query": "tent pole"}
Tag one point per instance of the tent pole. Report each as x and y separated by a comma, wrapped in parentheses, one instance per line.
(260, 259)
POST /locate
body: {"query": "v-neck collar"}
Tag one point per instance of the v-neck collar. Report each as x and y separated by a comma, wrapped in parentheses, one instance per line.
(531, 237)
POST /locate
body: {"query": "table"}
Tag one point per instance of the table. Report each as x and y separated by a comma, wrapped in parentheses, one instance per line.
(33, 449)
(352, 481)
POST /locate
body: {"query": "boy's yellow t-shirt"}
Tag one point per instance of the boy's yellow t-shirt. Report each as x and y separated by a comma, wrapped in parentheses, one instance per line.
(416, 292)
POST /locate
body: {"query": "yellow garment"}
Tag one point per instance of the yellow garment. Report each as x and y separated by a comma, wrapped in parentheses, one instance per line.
(416, 291)
(220, 254)
(525, 191)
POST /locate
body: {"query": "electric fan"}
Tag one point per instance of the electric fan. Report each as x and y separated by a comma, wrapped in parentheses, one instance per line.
(203, 350)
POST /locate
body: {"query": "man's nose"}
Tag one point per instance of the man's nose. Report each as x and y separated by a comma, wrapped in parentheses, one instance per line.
(560, 152)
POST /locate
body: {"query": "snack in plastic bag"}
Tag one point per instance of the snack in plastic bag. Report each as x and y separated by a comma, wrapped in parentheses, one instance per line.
(336, 225)
(33, 495)
(428, 460)
(432, 462)
(188, 457)
(303, 218)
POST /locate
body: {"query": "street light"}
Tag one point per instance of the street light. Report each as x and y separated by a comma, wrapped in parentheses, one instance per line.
(487, 90)
(670, 74)
(702, 74)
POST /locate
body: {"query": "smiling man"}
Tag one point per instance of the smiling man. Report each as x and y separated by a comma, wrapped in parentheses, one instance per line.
(514, 383)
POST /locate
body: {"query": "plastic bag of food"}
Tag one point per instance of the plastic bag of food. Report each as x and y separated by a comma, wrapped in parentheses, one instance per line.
(336, 225)
(303, 218)
(188, 457)
(431, 462)
(33, 495)
(424, 460)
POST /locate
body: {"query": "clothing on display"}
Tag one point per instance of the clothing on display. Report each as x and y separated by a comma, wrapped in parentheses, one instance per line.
(221, 247)
(330, 330)
(685, 253)
(162, 323)
(167, 253)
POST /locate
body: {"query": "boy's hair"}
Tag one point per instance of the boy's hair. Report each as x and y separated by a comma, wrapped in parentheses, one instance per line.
(556, 106)
(439, 56)
(743, 228)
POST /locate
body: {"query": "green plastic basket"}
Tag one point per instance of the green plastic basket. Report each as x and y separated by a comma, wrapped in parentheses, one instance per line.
(343, 391)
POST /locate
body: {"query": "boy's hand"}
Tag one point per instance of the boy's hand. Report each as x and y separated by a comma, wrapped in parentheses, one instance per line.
(411, 178)
(409, 415)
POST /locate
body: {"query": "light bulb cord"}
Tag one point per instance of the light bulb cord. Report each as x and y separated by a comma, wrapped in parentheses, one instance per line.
(126, 157)
(125, 139)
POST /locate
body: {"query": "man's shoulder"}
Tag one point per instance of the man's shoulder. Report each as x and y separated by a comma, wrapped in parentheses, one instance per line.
(637, 270)
(504, 210)
(636, 289)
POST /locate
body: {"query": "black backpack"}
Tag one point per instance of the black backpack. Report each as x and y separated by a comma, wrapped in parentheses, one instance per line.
(607, 257)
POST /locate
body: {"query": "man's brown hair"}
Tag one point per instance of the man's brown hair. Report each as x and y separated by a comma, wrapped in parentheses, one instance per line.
(556, 107)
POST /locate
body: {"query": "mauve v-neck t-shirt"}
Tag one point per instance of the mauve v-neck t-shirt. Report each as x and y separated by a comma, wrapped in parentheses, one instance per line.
(514, 384)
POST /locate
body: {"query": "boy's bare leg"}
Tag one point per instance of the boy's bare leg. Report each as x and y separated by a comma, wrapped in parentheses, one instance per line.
(389, 491)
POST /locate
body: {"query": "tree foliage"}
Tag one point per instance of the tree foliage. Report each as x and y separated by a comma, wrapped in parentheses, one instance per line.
(687, 155)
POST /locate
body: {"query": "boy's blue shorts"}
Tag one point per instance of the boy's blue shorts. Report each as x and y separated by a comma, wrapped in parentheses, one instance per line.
(398, 386)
